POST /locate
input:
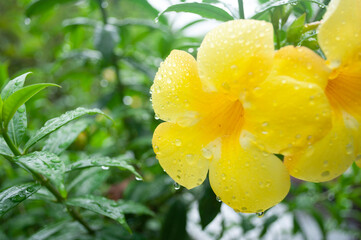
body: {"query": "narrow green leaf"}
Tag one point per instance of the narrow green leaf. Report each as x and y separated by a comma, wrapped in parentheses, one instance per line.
(88, 181)
(123, 162)
(109, 208)
(18, 98)
(174, 224)
(17, 126)
(4, 75)
(13, 85)
(61, 139)
(14, 195)
(40, 6)
(80, 21)
(4, 149)
(50, 230)
(137, 22)
(276, 3)
(294, 32)
(203, 9)
(208, 206)
(47, 164)
(56, 123)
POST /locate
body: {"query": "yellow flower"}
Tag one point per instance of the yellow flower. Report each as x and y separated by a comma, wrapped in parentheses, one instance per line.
(340, 39)
(230, 109)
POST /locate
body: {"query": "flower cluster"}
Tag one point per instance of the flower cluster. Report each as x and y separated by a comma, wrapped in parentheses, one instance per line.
(241, 102)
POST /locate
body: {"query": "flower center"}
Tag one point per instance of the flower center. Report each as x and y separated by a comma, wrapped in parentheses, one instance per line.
(226, 120)
(344, 89)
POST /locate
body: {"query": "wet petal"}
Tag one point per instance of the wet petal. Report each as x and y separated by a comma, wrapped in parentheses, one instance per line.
(177, 90)
(284, 114)
(236, 55)
(340, 33)
(302, 64)
(247, 179)
(182, 153)
(329, 157)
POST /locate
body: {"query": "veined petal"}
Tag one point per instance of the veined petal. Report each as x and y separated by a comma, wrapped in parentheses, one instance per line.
(177, 90)
(247, 179)
(284, 114)
(329, 157)
(235, 56)
(340, 33)
(302, 64)
(182, 153)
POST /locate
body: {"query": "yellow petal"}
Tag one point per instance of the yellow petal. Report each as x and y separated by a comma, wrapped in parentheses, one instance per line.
(329, 157)
(182, 153)
(344, 90)
(236, 55)
(302, 64)
(247, 179)
(340, 33)
(284, 114)
(177, 92)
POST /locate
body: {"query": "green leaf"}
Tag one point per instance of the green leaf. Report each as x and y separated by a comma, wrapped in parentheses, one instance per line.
(47, 164)
(4, 149)
(203, 9)
(17, 126)
(208, 206)
(18, 98)
(174, 224)
(88, 181)
(61, 139)
(294, 32)
(50, 230)
(80, 21)
(40, 6)
(14, 195)
(4, 75)
(268, 222)
(56, 123)
(13, 85)
(106, 37)
(276, 3)
(122, 162)
(109, 208)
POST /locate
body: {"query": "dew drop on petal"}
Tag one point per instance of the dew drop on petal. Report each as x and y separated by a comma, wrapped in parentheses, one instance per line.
(207, 153)
(105, 167)
(218, 199)
(176, 186)
(260, 214)
(178, 142)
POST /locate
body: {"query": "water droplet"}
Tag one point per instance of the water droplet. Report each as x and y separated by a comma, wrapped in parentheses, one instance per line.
(264, 132)
(105, 167)
(325, 173)
(176, 186)
(178, 142)
(27, 21)
(264, 124)
(138, 178)
(207, 153)
(260, 214)
(349, 149)
(218, 199)
(298, 136)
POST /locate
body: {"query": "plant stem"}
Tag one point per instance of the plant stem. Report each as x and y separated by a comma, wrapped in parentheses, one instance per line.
(240, 9)
(11, 145)
(104, 13)
(45, 182)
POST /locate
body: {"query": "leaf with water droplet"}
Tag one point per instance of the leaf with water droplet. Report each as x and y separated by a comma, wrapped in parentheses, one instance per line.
(61, 139)
(48, 165)
(14, 195)
(56, 123)
(123, 162)
(110, 208)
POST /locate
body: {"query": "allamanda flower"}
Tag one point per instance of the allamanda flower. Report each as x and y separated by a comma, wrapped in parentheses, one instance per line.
(228, 111)
(340, 38)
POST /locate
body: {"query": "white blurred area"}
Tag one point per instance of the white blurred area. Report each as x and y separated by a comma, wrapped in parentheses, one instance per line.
(178, 20)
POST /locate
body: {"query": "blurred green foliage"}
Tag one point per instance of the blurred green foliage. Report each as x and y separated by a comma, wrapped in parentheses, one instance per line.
(104, 54)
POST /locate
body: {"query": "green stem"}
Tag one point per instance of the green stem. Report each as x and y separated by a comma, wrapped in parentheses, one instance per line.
(104, 13)
(11, 145)
(45, 182)
(240, 9)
